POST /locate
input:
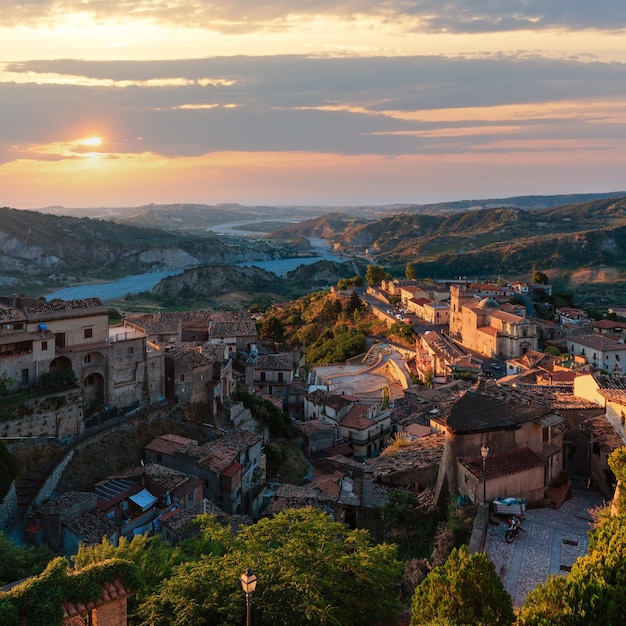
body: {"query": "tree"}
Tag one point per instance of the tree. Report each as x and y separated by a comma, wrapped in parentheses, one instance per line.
(272, 328)
(375, 274)
(410, 271)
(310, 570)
(466, 590)
(354, 304)
(17, 562)
(539, 278)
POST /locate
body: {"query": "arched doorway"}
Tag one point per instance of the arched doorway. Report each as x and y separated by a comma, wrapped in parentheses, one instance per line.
(93, 386)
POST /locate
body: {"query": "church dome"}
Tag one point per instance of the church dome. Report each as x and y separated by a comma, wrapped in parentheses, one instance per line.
(488, 303)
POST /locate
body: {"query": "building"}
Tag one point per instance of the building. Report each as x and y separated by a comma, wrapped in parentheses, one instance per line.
(230, 467)
(481, 326)
(599, 351)
(42, 341)
(523, 434)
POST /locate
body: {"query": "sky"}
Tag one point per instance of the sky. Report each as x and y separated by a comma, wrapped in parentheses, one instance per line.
(349, 102)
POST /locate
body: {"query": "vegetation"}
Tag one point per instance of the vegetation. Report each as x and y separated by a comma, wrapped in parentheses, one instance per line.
(267, 414)
(466, 590)
(39, 599)
(310, 569)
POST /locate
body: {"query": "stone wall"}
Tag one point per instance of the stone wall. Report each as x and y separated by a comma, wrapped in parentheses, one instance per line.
(58, 415)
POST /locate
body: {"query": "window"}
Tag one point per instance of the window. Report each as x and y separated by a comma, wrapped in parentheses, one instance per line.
(262, 376)
(44, 345)
(280, 377)
(88, 333)
(182, 378)
(617, 357)
(87, 359)
(131, 350)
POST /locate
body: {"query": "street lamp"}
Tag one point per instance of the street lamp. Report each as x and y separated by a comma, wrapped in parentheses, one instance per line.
(484, 451)
(248, 584)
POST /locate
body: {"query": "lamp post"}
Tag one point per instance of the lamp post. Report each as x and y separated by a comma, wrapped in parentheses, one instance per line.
(248, 584)
(484, 451)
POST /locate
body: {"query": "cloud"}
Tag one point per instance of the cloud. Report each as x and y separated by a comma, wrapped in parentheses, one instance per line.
(244, 16)
(350, 106)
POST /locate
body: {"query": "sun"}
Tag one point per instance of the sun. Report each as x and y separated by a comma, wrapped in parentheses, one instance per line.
(91, 141)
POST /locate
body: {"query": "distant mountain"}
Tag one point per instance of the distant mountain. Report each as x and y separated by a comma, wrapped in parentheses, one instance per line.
(200, 217)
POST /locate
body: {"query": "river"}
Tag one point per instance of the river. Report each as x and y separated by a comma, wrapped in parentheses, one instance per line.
(145, 282)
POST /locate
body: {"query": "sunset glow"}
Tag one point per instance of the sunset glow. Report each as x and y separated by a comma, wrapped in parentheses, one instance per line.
(334, 103)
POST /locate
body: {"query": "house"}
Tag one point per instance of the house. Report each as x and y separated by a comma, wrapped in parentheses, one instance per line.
(600, 351)
(523, 435)
(570, 316)
(609, 327)
(608, 392)
(366, 429)
(327, 406)
(187, 374)
(318, 435)
(273, 373)
(437, 358)
(359, 504)
(436, 313)
(109, 610)
(230, 467)
(414, 465)
(298, 497)
(69, 520)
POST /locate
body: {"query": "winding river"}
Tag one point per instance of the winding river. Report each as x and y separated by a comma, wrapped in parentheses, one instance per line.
(145, 282)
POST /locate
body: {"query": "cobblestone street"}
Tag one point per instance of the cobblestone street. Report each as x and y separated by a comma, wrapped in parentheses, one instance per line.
(550, 543)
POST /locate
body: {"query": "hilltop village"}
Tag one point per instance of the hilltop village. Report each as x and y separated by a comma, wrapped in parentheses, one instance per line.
(486, 401)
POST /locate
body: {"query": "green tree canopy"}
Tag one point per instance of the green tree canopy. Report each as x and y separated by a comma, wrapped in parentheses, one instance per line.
(17, 562)
(410, 271)
(310, 570)
(272, 328)
(375, 274)
(539, 278)
(466, 590)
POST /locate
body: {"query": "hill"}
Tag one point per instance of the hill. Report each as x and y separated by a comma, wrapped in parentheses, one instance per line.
(484, 242)
(38, 248)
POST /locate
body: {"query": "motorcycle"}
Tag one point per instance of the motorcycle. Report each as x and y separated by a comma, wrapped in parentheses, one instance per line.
(515, 526)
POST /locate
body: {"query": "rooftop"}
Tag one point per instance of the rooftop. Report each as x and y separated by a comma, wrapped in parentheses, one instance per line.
(501, 465)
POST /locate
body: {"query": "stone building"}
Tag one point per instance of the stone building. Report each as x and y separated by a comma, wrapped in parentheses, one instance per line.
(113, 367)
(482, 326)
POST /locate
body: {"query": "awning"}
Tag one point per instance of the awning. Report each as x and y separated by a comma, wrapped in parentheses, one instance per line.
(551, 420)
(143, 499)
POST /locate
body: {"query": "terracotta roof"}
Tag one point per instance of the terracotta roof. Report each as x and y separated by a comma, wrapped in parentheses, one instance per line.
(110, 592)
(488, 330)
(422, 453)
(602, 343)
(506, 464)
(310, 427)
(60, 309)
(357, 418)
(609, 325)
(283, 361)
(169, 444)
(494, 408)
(92, 526)
(11, 315)
(603, 433)
(510, 318)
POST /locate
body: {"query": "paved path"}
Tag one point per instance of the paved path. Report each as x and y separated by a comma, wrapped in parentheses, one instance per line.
(550, 543)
